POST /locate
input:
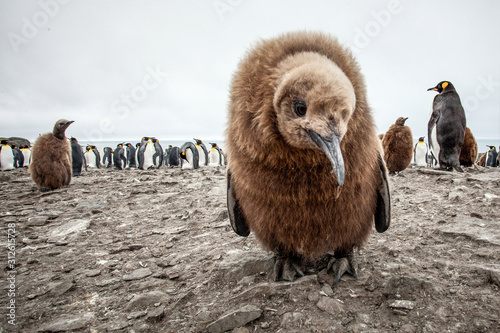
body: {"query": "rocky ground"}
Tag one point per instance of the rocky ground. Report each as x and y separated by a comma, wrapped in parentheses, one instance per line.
(153, 251)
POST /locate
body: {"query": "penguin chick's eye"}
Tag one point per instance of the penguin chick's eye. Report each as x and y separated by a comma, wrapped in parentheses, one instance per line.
(300, 108)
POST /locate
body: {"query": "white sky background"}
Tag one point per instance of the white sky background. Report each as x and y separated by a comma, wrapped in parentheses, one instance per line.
(79, 60)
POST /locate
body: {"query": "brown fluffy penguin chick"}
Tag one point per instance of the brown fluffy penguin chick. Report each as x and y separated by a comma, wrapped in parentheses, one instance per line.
(469, 150)
(398, 146)
(50, 166)
(296, 176)
(482, 160)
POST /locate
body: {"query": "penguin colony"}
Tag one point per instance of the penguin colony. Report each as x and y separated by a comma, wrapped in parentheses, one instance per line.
(295, 172)
(451, 143)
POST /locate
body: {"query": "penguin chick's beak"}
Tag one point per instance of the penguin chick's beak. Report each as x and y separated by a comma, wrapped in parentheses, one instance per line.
(332, 150)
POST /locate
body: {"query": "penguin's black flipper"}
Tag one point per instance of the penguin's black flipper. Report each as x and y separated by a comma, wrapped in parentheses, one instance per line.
(235, 214)
(383, 210)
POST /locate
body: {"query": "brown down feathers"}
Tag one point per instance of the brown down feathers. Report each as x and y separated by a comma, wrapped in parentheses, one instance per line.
(469, 150)
(50, 166)
(288, 193)
(398, 146)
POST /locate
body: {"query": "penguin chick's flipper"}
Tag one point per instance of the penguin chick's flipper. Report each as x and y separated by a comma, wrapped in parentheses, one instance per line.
(287, 267)
(383, 210)
(342, 262)
(236, 217)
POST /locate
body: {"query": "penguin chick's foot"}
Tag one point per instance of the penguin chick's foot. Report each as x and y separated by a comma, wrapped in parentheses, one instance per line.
(343, 262)
(287, 267)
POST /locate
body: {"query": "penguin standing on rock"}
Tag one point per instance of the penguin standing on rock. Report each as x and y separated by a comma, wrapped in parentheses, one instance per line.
(491, 157)
(6, 156)
(420, 153)
(398, 146)
(107, 157)
(469, 150)
(446, 128)
(119, 159)
(51, 158)
(77, 158)
(296, 176)
(202, 152)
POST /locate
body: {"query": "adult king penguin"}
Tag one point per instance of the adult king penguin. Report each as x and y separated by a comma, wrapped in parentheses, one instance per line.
(296, 176)
(189, 156)
(130, 155)
(6, 156)
(215, 155)
(491, 157)
(92, 157)
(18, 157)
(420, 153)
(77, 158)
(398, 146)
(202, 152)
(446, 128)
(107, 157)
(145, 154)
(25, 149)
(119, 159)
(51, 158)
(173, 155)
(158, 155)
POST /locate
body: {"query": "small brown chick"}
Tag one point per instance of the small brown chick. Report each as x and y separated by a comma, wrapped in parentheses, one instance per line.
(469, 150)
(398, 146)
(50, 166)
(296, 178)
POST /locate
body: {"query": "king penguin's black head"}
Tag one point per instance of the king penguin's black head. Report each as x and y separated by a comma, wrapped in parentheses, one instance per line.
(442, 86)
(421, 139)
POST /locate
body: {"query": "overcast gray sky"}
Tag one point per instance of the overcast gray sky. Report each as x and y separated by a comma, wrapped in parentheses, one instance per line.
(127, 69)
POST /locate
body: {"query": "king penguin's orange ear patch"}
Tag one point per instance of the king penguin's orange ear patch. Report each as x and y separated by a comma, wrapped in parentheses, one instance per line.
(444, 85)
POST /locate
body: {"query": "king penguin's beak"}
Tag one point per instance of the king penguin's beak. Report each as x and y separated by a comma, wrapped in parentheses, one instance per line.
(433, 88)
(332, 150)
